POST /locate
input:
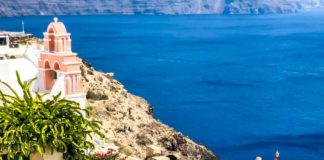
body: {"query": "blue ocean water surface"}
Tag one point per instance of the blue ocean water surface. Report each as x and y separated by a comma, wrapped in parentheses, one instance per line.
(242, 85)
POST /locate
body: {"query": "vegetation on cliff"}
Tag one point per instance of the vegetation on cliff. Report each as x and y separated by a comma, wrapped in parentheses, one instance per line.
(128, 120)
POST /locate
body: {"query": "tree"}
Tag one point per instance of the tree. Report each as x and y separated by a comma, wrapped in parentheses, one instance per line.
(31, 123)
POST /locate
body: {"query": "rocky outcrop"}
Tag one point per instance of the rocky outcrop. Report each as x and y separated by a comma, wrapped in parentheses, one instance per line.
(128, 121)
(104, 7)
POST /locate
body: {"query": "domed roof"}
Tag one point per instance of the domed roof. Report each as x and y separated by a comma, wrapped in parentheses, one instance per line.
(56, 27)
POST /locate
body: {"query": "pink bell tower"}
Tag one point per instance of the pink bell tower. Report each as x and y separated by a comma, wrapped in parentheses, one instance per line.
(59, 66)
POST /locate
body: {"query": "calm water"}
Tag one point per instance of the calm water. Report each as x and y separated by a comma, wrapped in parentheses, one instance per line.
(241, 85)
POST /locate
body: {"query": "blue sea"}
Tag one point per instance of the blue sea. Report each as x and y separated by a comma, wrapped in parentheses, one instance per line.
(243, 85)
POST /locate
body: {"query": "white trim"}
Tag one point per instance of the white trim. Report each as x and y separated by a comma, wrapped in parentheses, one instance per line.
(56, 34)
(46, 39)
(69, 73)
(74, 62)
(60, 72)
(64, 34)
(60, 52)
(63, 55)
(49, 34)
(73, 72)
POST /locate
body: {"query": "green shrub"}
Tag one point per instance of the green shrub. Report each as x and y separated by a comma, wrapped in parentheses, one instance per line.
(30, 124)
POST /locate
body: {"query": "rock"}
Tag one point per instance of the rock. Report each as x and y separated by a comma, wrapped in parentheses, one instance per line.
(152, 150)
(175, 156)
(143, 139)
(131, 158)
(159, 158)
(96, 95)
(110, 75)
(150, 110)
(169, 144)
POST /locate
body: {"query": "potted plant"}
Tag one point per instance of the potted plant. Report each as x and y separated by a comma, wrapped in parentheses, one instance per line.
(31, 124)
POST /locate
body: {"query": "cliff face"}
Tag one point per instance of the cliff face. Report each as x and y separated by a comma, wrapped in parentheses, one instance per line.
(269, 6)
(95, 7)
(128, 120)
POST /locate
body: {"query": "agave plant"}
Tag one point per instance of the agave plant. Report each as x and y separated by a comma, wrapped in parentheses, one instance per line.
(30, 123)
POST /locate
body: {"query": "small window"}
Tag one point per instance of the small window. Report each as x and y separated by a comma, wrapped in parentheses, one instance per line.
(3, 41)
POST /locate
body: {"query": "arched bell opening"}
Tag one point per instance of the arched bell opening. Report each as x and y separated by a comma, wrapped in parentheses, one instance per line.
(56, 69)
(51, 43)
(50, 75)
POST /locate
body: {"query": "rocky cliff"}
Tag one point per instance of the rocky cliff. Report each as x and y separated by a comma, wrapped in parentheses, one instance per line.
(269, 6)
(103, 7)
(128, 120)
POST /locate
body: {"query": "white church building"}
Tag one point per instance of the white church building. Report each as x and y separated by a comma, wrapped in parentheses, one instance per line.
(53, 63)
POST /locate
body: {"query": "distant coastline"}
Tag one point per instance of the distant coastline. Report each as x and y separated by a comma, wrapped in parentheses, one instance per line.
(153, 7)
